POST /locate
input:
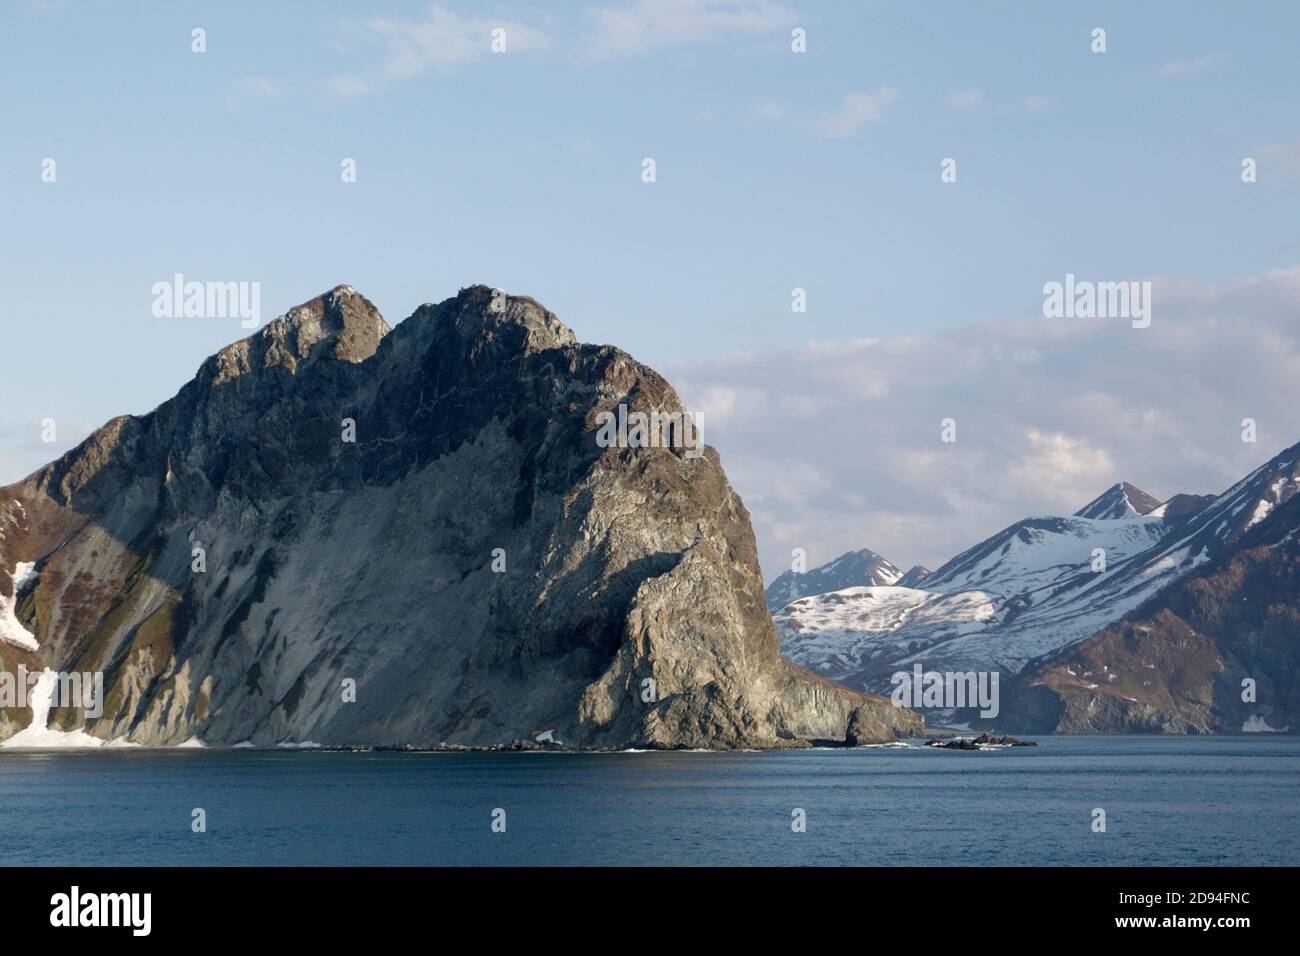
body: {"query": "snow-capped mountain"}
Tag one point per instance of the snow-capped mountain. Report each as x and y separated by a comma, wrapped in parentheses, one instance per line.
(1119, 501)
(914, 576)
(1030, 590)
(852, 569)
(1180, 662)
(839, 633)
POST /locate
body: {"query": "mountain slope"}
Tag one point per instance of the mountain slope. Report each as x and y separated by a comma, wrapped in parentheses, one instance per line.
(1181, 506)
(852, 569)
(841, 635)
(1037, 585)
(474, 564)
(1178, 664)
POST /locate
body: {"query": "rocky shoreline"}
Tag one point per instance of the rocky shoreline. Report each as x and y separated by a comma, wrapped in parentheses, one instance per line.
(978, 743)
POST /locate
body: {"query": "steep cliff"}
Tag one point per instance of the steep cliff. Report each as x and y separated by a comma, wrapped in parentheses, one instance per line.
(423, 514)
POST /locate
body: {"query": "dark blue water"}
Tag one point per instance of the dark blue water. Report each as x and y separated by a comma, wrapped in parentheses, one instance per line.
(1180, 801)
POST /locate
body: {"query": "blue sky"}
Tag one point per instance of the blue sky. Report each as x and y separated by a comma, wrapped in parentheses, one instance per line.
(522, 170)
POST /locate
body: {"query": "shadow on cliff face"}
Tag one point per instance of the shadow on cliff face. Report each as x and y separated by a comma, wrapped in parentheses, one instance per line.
(340, 483)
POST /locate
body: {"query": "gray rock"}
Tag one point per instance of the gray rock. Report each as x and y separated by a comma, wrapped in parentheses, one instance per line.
(868, 724)
(630, 611)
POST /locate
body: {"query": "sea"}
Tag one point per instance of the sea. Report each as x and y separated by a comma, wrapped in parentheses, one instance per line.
(1180, 801)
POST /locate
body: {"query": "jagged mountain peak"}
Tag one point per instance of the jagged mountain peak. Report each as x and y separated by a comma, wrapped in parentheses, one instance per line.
(1120, 500)
(480, 315)
(340, 324)
(862, 568)
(341, 315)
(861, 556)
(914, 576)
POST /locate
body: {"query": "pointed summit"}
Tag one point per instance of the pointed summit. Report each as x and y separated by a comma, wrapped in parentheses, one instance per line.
(916, 574)
(342, 316)
(480, 317)
(862, 568)
(1121, 500)
(340, 324)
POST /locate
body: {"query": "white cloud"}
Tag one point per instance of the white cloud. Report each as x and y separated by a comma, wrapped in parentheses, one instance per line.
(965, 99)
(1037, 104)
(1279, 161)
(1061, 468)
(768, 110)
(442, 41)
(252, 88)
(856, 110)
(1187, 67)
(257, 87)
(636, 28)
(348, 85)
(1049, 413)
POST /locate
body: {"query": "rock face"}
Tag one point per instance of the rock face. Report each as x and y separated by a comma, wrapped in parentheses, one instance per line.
(474, 563)
(868, 724)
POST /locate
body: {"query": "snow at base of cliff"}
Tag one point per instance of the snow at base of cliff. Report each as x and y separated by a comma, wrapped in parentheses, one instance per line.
(38, 735)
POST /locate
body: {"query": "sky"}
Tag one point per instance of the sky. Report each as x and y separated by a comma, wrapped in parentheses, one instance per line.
(775, 170)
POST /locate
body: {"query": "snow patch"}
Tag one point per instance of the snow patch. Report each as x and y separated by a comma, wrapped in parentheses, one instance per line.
(38, 735)
(11, 629)
(1262, 508)
(1258, 725)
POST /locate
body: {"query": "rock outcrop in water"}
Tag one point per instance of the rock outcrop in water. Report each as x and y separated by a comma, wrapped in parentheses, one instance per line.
(475, 564)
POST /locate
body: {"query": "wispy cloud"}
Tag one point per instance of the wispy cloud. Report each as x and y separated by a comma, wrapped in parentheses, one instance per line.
(636, 28)
(965, 99)
(1187, 67)
(442, 41)
(258, 87)
(251, 89)
(1279, 161)
(768, 110)
(1037, 104)
(856, 110)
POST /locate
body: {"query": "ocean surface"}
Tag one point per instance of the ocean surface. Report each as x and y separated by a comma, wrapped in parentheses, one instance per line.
(1231, 801)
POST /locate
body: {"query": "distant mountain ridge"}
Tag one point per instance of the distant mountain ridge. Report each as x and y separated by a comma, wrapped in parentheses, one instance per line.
(915, 575)
(851, 569)
(1036, 588)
